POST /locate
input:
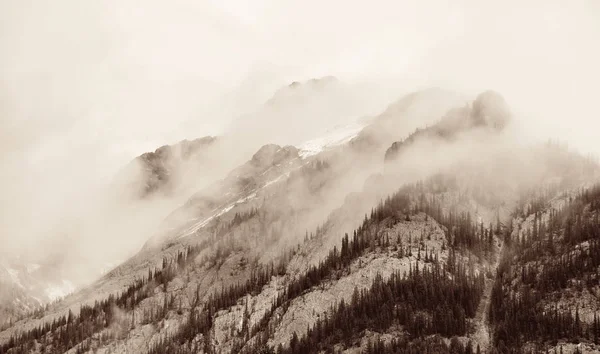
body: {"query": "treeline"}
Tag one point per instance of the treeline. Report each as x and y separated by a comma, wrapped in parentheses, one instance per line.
(68, 331)
(561, 250)
(433, 344)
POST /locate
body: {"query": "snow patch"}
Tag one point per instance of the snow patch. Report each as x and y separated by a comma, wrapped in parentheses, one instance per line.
(197, 226)
(251, 196)
(285, 175)
(192, 229)
(334, 137)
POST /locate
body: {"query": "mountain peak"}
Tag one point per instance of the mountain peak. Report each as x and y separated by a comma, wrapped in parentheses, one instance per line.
(302, 88)
(490, 109)
(152, 172)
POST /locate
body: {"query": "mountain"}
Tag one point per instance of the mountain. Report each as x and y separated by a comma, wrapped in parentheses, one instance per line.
(26, 286)
(295, 114)
(302, 111)
(14, 300)
(152, 185)
(417, 230)
(164, 170)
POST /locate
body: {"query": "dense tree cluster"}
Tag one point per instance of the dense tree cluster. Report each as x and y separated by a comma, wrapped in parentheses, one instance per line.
(424, 302)
(561, 250)
(521, 317)
(433, 344)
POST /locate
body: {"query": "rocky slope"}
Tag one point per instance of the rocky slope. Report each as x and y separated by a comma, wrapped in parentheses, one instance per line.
(163, 171)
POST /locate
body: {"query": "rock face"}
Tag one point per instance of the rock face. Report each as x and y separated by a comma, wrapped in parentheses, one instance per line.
(159, 172)
(272, 154)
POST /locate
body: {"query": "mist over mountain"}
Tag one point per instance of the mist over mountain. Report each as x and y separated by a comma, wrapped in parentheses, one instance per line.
(239, 242)
(281, 177)
(123, 213)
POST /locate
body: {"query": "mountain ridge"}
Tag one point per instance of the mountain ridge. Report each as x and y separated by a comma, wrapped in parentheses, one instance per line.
(262, 267)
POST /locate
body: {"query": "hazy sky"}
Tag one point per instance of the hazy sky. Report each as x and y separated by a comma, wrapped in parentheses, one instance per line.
(86, 85)
(127, 70)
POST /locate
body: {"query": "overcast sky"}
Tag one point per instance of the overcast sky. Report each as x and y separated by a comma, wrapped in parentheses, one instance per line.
(87, 85)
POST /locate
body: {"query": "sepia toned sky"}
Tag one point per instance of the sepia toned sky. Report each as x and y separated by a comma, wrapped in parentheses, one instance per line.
(117, 68)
